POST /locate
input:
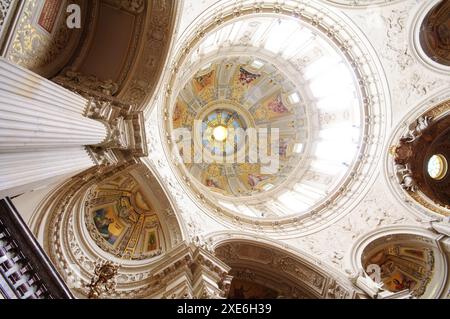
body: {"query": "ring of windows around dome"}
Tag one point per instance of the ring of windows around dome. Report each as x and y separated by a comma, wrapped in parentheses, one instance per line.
(312, 186)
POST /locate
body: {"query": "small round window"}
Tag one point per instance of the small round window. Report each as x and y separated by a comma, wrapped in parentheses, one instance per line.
(437, 166)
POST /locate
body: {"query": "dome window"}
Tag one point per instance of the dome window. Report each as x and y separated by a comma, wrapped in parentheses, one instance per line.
(437, 166)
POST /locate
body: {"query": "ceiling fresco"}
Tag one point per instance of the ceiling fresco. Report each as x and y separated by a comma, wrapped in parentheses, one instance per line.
(232, 95)
(179, 198)
(403, 267)
(273, 76)
(122, 221)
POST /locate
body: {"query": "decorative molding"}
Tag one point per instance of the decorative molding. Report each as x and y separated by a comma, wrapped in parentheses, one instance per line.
(132, 6)
(299, 279)
(37, 50)
(414, 37)
(408, 75)
(74, 252)
(307, 275)
(362, 4)
(89, 83)
(434, 107)
(153, 52)
(418, 236)
(374, 109)
(4, 8)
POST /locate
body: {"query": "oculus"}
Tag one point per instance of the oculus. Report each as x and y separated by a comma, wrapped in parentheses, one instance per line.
(437, 166)
(220, 133)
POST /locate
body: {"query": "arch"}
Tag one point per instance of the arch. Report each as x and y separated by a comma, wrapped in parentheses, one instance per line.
(361, 4)
(118, 52)
(67, 225)
(268, 262)
(393, 241)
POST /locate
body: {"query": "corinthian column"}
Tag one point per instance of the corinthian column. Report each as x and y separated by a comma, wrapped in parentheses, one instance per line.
(43, 131)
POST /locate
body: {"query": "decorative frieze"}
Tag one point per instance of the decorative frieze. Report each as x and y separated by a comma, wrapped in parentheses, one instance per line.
(126, 132)
(132, 6)
(297, 278)
(4, 8)
(90, 83)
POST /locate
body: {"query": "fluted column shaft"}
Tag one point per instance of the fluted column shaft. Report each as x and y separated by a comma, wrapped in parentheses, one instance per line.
(35, 112)
(43, 130)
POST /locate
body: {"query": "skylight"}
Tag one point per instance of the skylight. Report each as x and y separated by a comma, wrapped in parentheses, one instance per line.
(292, 202)
(257, 64)
(279, 33)
(298, 148)
(294, 98)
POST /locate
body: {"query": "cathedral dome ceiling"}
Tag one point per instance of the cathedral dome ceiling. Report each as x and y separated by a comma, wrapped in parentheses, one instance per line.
(232, 95)
(418, 159)
(314, 118)
(266, 71)
(240, 149)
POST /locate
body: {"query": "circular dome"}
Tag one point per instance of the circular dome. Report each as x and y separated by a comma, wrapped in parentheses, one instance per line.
(303, 133)
(435, 35)
(418, 163)
(302, 92)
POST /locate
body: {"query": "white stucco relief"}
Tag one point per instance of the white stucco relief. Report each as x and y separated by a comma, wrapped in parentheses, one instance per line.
(386, 27)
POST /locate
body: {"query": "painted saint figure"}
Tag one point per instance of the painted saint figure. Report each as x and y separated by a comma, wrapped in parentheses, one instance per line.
(246, 77)
(277, 106)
